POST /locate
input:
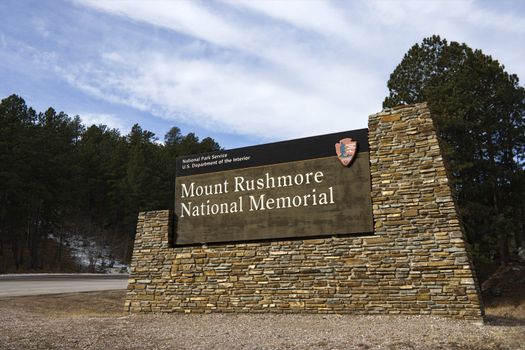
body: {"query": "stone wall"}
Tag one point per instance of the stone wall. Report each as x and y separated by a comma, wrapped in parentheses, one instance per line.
(415, 263)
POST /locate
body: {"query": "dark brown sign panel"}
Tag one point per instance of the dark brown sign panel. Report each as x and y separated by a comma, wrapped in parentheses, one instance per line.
(299, 188)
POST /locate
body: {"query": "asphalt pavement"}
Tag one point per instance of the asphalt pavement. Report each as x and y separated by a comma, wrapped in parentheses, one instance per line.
(37, 284)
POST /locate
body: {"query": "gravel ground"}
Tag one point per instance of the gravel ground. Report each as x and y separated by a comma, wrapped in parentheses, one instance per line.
(95, 321)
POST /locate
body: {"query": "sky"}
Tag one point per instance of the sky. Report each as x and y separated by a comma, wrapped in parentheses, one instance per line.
(242, 72)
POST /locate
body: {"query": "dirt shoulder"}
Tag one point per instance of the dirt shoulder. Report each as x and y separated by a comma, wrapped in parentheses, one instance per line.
(95, 320)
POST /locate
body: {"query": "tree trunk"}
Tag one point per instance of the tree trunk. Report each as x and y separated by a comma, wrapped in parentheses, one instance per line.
(14, 250)
(60, 245)
(521, 235)
(502, 235)
(35, 240)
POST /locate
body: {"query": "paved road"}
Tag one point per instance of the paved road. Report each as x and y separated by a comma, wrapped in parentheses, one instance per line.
(35, 284)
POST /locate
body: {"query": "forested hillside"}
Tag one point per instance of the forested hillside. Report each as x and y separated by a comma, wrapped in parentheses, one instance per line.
(60, 178)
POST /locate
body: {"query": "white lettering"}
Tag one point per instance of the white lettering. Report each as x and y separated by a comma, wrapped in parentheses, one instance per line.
(185, 209)
(187, 193)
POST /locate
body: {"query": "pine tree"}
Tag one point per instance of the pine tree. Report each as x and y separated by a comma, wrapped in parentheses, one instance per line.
(479, 112)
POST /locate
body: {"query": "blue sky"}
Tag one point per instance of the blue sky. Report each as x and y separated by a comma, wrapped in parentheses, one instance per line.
(241, 72)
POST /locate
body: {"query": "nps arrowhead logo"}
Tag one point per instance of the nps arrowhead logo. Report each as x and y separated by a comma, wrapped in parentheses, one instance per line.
(346, 150)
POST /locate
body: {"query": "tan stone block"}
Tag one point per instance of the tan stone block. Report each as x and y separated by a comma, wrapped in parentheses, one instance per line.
(297, 304)
(354, 261)
(423, 297)
(376, 240)
(441, 263)
(410, 213)
(391, 118)
(467, 281)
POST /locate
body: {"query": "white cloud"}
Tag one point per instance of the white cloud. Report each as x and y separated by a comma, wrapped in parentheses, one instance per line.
(318, 16)
(290, 92)
(181, 16)
(113, 57)
(109, 120)
(278, 69)
(40, 27)
(497, 33)
(230, 98)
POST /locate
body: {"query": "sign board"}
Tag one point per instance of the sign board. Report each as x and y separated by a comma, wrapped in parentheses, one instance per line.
(306, 187)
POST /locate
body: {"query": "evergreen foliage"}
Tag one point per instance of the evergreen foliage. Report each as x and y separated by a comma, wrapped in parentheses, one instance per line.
(479, 112)
(59, 177)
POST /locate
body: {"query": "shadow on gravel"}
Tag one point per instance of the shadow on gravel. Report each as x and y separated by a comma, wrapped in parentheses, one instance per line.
(507, 321)
(447, 346)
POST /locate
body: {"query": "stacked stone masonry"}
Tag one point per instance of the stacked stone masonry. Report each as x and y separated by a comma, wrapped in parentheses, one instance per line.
(416, 261)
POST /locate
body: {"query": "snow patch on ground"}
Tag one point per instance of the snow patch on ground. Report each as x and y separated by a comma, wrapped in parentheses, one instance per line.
(91, 255)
